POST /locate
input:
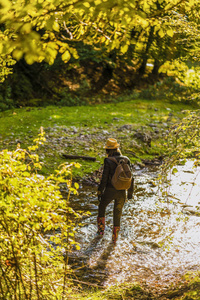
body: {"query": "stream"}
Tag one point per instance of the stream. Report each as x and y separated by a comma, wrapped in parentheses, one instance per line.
(159, 239)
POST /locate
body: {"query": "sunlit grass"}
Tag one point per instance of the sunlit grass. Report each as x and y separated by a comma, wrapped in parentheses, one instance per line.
(123, 291)
(23, 125)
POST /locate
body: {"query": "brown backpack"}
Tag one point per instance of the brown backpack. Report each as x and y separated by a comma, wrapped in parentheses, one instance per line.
(122, 177)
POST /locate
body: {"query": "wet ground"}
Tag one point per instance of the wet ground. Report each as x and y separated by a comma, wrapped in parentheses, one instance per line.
(159, 240)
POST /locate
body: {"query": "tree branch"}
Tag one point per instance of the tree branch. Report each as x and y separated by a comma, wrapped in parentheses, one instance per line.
(69, 32)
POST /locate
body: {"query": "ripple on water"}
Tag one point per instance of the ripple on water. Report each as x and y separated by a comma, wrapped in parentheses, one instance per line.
(157, 241)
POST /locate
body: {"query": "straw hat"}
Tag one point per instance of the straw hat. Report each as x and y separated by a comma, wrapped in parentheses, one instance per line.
(111, 144)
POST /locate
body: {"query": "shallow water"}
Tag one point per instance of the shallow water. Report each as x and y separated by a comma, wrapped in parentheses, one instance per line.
(158, 241)
(185, 184)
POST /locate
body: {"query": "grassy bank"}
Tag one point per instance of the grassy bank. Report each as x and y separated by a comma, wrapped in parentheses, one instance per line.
(187, 289)
(139, 125)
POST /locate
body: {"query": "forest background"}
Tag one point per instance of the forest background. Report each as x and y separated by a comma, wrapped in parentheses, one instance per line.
(80, 52)
(72, 53)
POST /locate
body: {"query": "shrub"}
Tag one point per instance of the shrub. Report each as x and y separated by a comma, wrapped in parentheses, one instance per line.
(37, 227)
(68, 99)
(5, 100)
(168, 89)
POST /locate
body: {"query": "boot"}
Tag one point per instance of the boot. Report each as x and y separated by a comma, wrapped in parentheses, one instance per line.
(115, 234)
(101, 225)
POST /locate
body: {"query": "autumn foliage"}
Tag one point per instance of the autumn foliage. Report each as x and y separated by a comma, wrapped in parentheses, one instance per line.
(37, 227)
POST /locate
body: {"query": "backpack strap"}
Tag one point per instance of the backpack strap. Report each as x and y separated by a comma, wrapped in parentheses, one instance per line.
(122, 159)
(113, 159)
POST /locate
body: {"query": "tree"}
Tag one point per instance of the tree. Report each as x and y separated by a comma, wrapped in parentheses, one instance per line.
(132, 33)
(39, 30)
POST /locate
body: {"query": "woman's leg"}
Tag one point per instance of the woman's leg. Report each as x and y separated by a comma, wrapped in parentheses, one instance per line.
(107, 197)
(117, 213)
(118, 206)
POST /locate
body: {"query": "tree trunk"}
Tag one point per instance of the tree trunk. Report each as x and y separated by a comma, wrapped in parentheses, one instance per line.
(155, 68)
(104, 79)
(142, 68)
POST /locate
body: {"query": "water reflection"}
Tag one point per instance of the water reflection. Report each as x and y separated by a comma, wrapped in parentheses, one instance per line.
(185, 184)
(158, 241)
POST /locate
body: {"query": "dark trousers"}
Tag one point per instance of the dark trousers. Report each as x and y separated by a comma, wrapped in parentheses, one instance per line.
(109, 195)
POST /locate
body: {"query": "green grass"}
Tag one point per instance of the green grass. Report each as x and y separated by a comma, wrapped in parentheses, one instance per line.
(116, 292)
(186, 289)
(83, 130)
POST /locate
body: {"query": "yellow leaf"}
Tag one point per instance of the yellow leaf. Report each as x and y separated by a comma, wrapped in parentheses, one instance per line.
(76, 185)
(56, 26)
(170, 32)
(66, 56)
(161, 33)
(77, 165)
(26, 28)
(17, 54)
(124, 48)
(86, 4)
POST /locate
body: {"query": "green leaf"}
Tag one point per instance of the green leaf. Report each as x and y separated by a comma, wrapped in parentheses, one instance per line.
(174, 171)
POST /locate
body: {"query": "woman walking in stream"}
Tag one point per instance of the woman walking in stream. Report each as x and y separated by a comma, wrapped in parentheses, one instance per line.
(106, 190)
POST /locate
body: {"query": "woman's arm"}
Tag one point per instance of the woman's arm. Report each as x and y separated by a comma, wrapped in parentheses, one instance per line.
(104, 178)
(131, 189)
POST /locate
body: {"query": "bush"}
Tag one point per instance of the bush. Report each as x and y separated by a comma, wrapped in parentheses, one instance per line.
(36, 227)
(168, 89)
(68, 99)
(5, 100)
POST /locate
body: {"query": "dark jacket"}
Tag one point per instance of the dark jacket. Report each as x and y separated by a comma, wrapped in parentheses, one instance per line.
(108, 172)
